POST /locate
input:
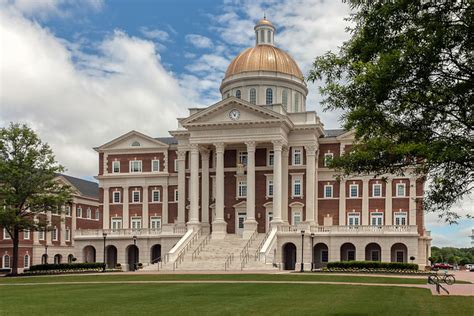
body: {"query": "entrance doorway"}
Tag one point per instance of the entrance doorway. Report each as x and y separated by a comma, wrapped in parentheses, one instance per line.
(239, 223)
(155, 254)
(132, 257)
(289, 256)
(269, 220)
(111, 256)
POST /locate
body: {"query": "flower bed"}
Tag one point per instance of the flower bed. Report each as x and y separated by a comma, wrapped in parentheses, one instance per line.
(372, 265)
(378, 271)
(62, 268)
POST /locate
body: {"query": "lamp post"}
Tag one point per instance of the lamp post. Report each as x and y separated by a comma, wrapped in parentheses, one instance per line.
(104, 234)
(135, 253)
(302, 250)
(46, 254)
(312, 252)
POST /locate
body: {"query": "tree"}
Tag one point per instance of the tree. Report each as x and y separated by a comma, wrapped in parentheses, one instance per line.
(27, 183)
(405, 83)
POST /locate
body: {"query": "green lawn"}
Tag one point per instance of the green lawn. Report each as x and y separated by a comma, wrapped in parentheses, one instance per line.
(241, 277)
(226, 299)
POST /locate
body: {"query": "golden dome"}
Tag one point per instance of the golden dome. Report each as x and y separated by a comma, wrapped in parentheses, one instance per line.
(264, 21)
(264, 58)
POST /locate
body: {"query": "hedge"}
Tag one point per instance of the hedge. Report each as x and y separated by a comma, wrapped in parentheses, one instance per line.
(372, 265)
(67, 266)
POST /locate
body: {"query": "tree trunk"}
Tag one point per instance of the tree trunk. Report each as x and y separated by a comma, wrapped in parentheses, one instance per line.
(15, 240)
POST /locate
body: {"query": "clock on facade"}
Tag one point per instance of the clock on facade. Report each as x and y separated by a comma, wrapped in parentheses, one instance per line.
(234, 114)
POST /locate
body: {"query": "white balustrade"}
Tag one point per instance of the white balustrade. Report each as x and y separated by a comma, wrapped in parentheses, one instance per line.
(360, 229)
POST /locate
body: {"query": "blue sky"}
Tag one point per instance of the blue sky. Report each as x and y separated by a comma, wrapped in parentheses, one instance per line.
(84, 72)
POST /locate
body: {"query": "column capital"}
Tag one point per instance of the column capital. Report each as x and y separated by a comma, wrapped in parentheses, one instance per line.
(219, 147)
(311, 149)
(278, 144)
(251, 145)
(181, 154)
(194, 147)
(164, 186)
(204, 153)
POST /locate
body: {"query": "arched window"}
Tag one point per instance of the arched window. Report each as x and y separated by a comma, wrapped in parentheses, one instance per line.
(284, 98)
(135, 144)
(297, 103)
(269, 96)
(26, 261)
(6, 262)
(253, 96)
(238, 94)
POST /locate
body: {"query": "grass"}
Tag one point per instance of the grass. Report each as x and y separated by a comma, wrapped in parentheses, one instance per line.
(226, 299)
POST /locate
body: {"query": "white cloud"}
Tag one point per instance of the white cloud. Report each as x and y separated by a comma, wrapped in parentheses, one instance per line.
(44, 9)
(76, 106)
(199, 41)
(155, 34)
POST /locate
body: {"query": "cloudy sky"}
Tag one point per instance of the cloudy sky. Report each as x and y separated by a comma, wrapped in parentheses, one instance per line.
(84, 72)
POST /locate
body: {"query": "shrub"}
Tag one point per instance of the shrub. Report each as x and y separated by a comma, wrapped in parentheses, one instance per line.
(67, 266)
(357, 265)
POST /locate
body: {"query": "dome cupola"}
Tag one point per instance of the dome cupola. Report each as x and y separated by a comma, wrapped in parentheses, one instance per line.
(264, 32)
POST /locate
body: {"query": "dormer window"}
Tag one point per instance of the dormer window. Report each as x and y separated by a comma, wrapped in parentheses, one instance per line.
(135, 144)
(238, 94)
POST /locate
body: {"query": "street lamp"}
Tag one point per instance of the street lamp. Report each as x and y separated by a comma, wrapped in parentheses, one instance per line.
(312, 251)
(104, 234)
(46, 254)
(135, 253)
(302, 250)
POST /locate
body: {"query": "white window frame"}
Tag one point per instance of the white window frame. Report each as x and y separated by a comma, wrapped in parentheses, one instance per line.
(68, 210)
(401, 216)
(26, 261)
(241, 189)
(298, 213)
(26, 234)
(153, 165)
(4, 260)
(328, 157)
(355, 216)
(328, 186)
(255, 96)
(6, 235)
(54, 234)
(140, 166)
(68, 234)
(137, 221)
(79, 212)
(357, 190)
(89, 213)
(133, 196)
(176, 195)
(41, 234)
(117, 220)
(97, 214)
(373, 189)
(153, 221)
(243, 157)
(153, 196)
(116, 163)
(270, 157)
(377, 217)
(270, 186)
(294, 152)
(294, 181)
(119, 194)
(176, 165)
(398, 185)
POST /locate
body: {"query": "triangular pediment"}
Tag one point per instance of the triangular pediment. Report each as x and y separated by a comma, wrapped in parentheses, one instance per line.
(233, 111)
(347, 136)
(133, 140)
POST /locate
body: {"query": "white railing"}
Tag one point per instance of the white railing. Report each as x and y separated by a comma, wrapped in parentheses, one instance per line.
(350, 229)
(128, 232)
(294, 228)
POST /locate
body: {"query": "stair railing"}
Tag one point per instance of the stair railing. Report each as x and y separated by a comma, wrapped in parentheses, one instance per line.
(159, 262)
(244, 254)
(182, 253)
(228, 261)
(257, 252)
(200, 247)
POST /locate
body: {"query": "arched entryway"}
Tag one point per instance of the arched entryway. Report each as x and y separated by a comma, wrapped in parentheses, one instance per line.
(58, 259)
(155, 253)
(289, 256)
(348, 252)
(111, 256)
(70, 258)
(399, 253)
(89, 254)
(132, 257)
(44, 259)
(373, 252)
(321, 255)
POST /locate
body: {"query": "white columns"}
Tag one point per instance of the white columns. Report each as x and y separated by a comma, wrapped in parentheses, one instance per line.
(284, 184)
(412, 202)
(164, 208)
(365, 201)
(204, 187)
(105, 208)
(194, 194)
(62, 235)
(342, 203)
(145, 216)
(181, 186)
(310, 178)
(74, 221)
(250, 223)
(219, 226)
(277, 187)
(125, 212)
(388, 202)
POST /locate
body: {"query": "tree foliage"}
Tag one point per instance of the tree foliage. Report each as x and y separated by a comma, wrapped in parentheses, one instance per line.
(27, 183)
(452, 255)
(405, 83)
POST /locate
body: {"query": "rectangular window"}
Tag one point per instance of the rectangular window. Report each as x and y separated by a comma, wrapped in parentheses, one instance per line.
(26, 234)
(324, 256)
(6, 235)
(41, 234)
(176, 165)
(400, 218)
(297, 190)
(68, 210)
(115, 166)
(89, 213)
(116, 197)
(97, 214)
(270, 158)
(176, 192)
(328, 191)
(6, 262)
(136, 223)
(136, 166)
(354, 190)
(156, 196)
(377, 190)
(243, 158)
(54, 234)
(297, 156)
(401, 189)
(353, 219)
(136, 196)
(242, 189)
(296, 217)
(270, 187)
(155, 165)
(328, 157)
(68, 234)
(26, 261)
(116, 223)
(155, 222)
(79, 212)
(376, 219)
